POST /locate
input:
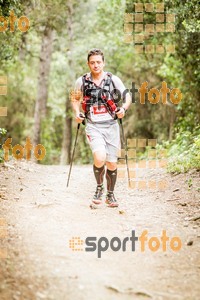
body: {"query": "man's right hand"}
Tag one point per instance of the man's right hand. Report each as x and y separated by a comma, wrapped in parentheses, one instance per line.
(80, 117)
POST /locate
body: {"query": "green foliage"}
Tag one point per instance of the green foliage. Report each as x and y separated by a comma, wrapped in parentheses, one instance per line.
(184, 152)
(101, 26)
(11, 41)
(187, 60)
(51, 138)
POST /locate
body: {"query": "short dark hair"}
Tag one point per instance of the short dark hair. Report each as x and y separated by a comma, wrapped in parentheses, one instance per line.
(95, 51)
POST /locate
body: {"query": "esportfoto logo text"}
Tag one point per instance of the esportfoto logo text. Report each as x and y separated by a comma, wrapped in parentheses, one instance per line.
(145, 242)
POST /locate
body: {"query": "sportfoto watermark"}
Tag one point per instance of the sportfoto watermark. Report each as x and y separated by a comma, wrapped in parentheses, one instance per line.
(155, 159)
(18, 150)
(3, 92)
(139, 33)
(23, 23)
(153, 95)
(116, 244)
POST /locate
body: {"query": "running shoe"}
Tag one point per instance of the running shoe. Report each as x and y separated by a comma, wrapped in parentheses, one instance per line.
(111, 200)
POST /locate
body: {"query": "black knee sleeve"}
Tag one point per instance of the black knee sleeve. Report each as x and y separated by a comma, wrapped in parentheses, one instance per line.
(111, 177)
(99, 173)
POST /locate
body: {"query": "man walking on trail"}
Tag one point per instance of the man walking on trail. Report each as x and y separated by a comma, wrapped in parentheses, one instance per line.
(97, 91)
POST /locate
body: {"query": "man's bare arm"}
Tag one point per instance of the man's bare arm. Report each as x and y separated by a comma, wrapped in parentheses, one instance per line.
(127, 102)
(76, 98)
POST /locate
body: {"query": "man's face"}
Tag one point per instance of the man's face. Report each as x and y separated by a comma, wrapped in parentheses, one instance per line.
(96, 64)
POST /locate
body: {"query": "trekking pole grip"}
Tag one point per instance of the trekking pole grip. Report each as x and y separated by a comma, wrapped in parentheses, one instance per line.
(82, 116)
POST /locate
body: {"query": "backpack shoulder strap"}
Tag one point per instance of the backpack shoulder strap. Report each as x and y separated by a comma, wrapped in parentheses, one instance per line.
(108, 81)
(85, 77)
(86, 81)
(83, 80)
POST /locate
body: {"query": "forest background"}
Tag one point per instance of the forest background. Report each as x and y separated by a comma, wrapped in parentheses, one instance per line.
(43, 63)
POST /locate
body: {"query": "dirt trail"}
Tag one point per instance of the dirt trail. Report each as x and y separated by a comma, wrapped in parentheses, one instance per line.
(43, 215)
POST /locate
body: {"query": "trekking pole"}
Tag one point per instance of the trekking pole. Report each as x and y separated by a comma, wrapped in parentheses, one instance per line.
(125, 148)
(72, 158)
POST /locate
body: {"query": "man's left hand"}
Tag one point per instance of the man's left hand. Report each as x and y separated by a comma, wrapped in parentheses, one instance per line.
(120, 112)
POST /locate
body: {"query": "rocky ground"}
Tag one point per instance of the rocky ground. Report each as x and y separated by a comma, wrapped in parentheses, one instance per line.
(39, 216)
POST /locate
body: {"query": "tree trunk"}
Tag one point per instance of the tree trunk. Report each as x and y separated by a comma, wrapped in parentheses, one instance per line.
(67, 131)
(44, 70)
(67, 136)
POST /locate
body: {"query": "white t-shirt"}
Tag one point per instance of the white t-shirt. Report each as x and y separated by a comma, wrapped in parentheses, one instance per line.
(96, 115)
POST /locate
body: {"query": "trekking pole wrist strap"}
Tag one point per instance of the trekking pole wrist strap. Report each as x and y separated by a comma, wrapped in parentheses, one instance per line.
(125, 110)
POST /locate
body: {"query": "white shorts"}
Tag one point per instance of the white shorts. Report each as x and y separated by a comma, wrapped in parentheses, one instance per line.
(105, 138)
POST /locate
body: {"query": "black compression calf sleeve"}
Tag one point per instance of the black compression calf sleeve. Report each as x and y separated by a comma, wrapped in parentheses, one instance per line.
(99, 173)
(111, 177)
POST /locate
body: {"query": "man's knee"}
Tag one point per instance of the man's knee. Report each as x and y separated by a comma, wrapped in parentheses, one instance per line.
(99, 158)
(111, 165)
